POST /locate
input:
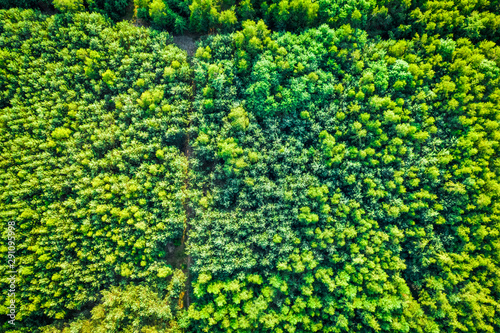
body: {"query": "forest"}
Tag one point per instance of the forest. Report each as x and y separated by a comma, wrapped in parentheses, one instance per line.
(314, 166)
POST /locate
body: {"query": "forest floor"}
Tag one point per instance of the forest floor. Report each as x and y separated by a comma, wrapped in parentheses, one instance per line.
(187, 149)
(130, 13)
(187, 42)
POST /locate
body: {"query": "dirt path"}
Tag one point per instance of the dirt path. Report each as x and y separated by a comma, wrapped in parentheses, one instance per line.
(189, 215)
(178, 255)
(187, 42)
(188, 150)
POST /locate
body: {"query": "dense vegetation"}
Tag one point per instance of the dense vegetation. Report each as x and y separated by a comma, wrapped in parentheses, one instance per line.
(475, 20)
(329, 166)
(5, 4)
(115, 9)
(134, 309)
(351, 185)
(92, 120)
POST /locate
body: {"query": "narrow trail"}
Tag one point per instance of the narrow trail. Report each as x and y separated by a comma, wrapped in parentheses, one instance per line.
(186, 42)
(189, 214)
(187, 150)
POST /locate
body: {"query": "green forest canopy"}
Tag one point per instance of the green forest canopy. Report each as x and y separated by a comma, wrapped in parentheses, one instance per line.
(472, 19)
(341, 178)
(362, 176)
(93, 118)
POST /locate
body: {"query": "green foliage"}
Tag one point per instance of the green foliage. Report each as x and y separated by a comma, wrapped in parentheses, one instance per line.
(6, 4)
(372, 203)
(239, 118)
(165, 14)
(157, 12)
(131, 309)
(91, 168)
(115, 9)
(335, 182)
(471, 19)
(476, 20)
(70, 6)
